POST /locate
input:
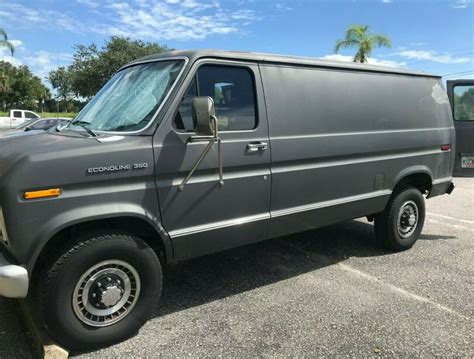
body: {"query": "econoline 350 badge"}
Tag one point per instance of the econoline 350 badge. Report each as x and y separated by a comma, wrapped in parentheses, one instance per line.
(117, 168)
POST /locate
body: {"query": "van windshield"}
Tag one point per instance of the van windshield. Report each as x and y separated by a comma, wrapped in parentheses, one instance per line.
(129, 101)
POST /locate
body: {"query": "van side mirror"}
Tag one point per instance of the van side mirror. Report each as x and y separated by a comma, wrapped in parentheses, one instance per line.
(203, 111)
(204, 115)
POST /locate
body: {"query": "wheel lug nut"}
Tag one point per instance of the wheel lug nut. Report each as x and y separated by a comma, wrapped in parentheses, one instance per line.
(109, 279)
(99, 285)
(94, 295)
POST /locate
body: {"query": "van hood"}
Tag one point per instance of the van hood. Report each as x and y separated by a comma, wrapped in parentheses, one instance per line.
(18, 146)
(30, 160)
(16, 133)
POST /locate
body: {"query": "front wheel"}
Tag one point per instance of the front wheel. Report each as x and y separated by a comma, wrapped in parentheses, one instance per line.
(400, 224)
(100, 291)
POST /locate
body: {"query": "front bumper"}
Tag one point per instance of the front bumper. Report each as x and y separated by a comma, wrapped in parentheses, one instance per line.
(13, 279)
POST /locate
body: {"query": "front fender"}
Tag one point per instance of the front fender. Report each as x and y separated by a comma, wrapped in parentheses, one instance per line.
(92, 213)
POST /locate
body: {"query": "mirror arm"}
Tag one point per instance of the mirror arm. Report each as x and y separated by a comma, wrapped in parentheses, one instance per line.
(198, 162)
(212, 139)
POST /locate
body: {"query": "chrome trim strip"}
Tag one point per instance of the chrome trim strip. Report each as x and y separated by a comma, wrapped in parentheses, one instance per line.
(298, 167)
(259, 217)
(442, 180)
(229, 175)
(218, 225)
(334, 202)
(358, 133)
(182, 58)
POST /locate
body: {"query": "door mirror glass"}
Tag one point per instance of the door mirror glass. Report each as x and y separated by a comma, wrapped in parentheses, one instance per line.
(463, 96)
(203, 112)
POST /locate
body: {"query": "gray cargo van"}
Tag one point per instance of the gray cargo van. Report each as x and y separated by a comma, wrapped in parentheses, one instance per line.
(188, 153)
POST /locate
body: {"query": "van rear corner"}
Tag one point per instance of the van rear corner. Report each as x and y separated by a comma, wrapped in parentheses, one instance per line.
(440, 187)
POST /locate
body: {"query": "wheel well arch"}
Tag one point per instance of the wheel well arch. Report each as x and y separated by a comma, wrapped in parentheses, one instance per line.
(421, 180)
(64, 238)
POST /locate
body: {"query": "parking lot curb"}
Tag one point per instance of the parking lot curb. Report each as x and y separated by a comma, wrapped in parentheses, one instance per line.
(44, 345)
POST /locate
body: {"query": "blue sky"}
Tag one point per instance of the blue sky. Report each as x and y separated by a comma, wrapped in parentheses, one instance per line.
(436, 36)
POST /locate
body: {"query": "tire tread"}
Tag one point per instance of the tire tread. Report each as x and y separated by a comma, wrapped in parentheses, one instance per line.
(382, 222)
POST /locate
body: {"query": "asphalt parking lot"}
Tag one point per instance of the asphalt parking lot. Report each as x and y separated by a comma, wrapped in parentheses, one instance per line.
(329, 292)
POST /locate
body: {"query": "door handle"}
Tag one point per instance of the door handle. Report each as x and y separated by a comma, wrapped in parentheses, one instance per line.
(257, 146)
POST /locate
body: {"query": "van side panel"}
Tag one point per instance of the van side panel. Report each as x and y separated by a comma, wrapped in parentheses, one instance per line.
(341, 140)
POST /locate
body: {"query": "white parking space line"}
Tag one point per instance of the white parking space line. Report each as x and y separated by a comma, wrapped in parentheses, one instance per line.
(372, 279)
(400, 291)
(449, 217)
(457, 226)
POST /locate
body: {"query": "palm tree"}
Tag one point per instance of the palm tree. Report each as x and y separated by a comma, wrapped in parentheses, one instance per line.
(365, 41)
(5, 42)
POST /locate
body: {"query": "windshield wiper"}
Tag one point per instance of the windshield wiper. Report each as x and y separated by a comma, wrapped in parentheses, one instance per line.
(83, 124)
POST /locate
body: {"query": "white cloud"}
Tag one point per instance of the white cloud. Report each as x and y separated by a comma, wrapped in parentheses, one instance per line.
(42, 62)
(93, 4)
(461, 4)
(16, 43)
(387, 1)
(39, 62)
(430, 55)
(6, 55)
(35, 17)
(175, 20)
(371, 60)
(283, 7)
(150, 20)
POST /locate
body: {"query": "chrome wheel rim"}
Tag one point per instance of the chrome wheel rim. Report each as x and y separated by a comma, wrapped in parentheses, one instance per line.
(407, 219)
(106, 293)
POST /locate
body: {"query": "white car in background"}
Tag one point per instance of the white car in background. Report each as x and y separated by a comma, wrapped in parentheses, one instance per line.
(16, 118)
(37, 125)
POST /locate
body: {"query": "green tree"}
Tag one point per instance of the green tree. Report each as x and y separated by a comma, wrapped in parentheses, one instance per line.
(93, 67)
(61, 81)
(464, 105)
(5, 86)
(5, 43)
(20, 88)
(359, 37)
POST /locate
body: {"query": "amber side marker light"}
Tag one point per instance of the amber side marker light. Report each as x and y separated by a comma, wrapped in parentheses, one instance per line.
(45, 193)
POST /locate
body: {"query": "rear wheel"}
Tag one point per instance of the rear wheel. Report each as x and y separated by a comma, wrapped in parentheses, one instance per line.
(100, 291)
(400, 224)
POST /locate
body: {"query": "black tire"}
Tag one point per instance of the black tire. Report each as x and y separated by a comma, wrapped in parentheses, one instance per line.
(59, 283)
(387, 223)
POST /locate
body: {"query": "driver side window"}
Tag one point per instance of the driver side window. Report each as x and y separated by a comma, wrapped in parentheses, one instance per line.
(30, 115)
(40, 125)
(233, 92)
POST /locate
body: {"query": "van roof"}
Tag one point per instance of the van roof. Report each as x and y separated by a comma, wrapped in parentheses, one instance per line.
(194, 55)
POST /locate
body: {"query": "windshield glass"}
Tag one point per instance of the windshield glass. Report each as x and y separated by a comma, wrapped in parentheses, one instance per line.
(130, 99)
(25, 124)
